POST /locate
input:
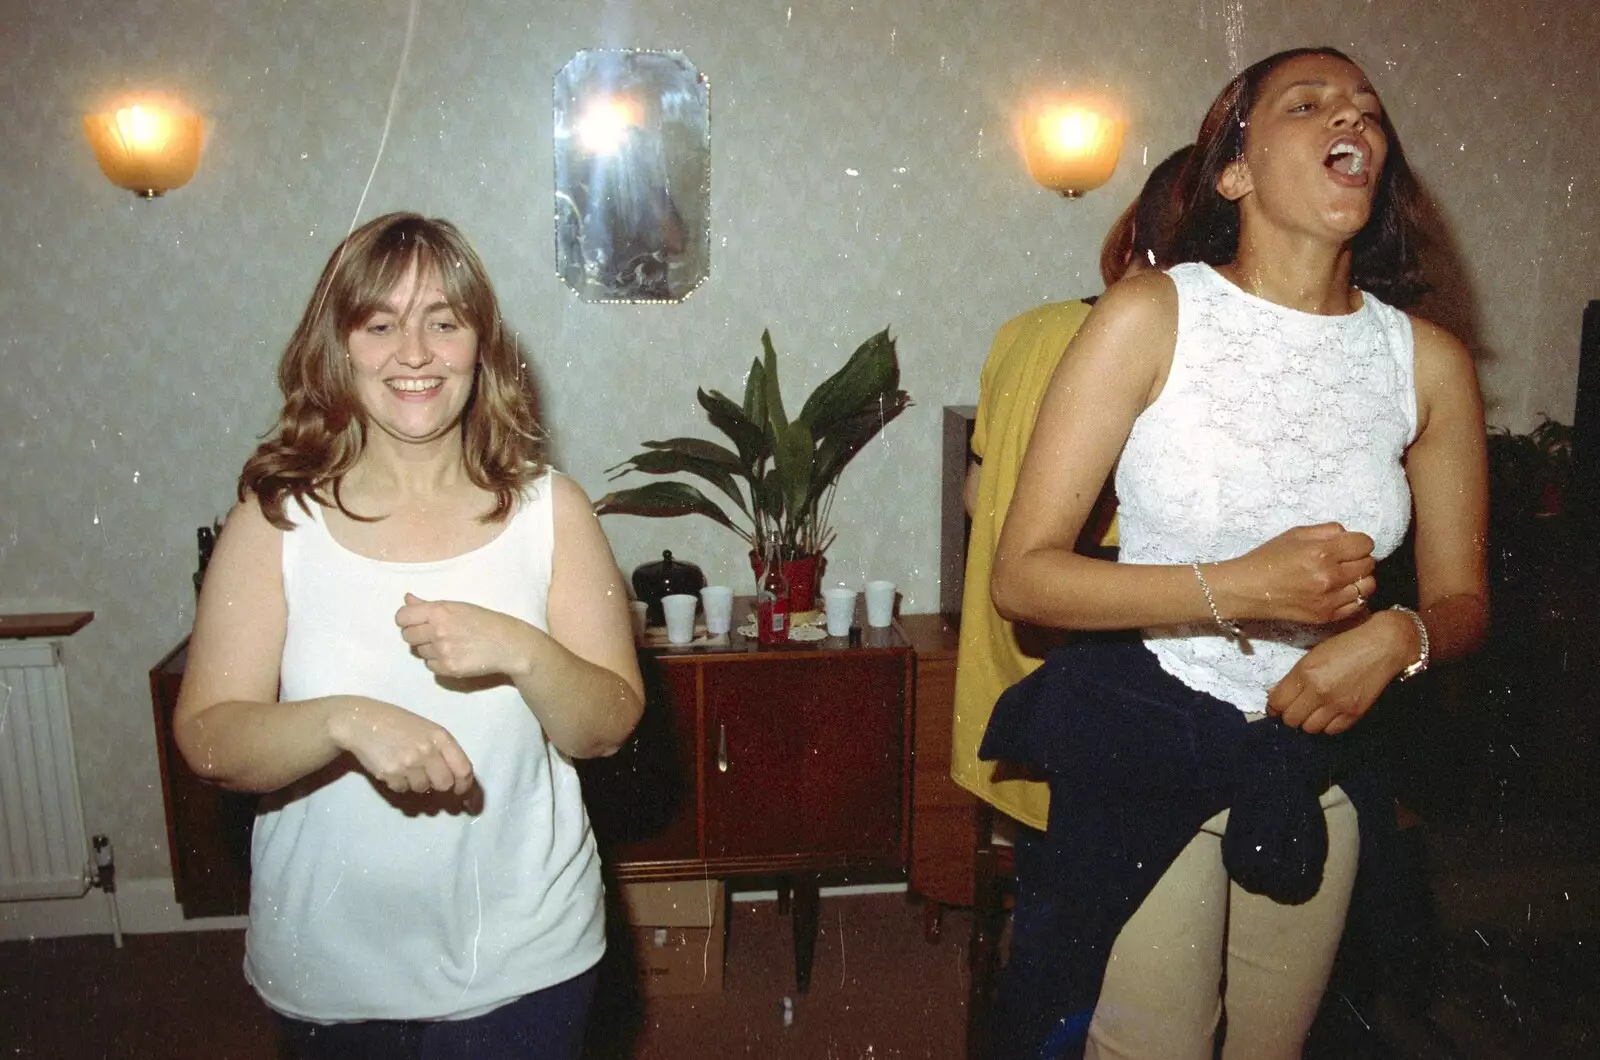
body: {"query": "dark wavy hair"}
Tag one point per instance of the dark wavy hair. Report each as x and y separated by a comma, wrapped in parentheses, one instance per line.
(1384, 254)
(322, 429)
(1146, 227)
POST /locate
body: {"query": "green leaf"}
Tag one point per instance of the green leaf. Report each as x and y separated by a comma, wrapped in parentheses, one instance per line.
(774, 395)
(755, 393)
(700, 449)
(664, 500)
(849, 436)
(747, 435)
(871, 373)
(674, 461)
(791, 464)
(770, 490)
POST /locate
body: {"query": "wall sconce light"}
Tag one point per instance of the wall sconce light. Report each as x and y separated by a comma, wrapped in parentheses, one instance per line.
(145, 148)
(1070, 147)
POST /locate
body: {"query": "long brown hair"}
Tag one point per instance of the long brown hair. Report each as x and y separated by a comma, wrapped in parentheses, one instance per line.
(1145, 228)
(322, 429)
(1384, 254)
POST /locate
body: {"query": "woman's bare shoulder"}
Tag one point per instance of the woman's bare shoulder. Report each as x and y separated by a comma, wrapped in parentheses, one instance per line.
(1433, 339)
(1439, 357)
(565, 491)
(247, 521)
(1131, 333)
(1149, 297)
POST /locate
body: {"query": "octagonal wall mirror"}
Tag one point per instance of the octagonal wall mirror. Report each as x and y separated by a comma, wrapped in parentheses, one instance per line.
(633, 176)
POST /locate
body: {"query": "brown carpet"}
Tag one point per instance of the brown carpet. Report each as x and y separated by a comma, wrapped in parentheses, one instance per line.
(879, 990)
(1512, 972)
(161, 996)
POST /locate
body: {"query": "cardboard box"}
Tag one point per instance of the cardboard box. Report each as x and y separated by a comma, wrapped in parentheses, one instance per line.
(678, 934)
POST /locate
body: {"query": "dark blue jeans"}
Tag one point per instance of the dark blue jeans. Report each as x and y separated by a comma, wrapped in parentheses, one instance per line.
(544, 1025)
(1026, 1020)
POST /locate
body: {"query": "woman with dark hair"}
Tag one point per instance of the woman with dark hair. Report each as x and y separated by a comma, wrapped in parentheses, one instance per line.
(1273, 425)
(409, 628)
(1383, 254)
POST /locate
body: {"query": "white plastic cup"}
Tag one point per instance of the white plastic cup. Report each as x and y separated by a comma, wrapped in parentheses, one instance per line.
(641, 617)
(718, 601)
(840, 604)
(679, 609)
(880, 603)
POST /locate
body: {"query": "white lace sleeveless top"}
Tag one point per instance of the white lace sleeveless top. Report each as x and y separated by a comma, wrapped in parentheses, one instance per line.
(1270, 419)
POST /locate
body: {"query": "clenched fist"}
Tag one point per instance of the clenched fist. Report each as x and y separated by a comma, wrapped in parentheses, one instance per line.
(1313, 574)
(400, 749)
(461, 640)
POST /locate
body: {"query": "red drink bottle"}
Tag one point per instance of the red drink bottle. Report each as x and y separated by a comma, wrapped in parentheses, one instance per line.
(772, 602)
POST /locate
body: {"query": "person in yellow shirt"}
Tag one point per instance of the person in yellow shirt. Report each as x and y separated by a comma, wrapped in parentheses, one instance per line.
(994, 654)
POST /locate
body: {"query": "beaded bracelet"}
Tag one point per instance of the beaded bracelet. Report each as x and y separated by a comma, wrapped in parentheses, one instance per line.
(1422, 634)
(1230, 628)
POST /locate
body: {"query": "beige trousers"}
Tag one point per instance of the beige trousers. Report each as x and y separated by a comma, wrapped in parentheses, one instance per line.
(1164, 989)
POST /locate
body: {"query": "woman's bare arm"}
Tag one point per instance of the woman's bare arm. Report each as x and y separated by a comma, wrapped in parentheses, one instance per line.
(586, 685)
(582, 677)
(1114, 368)
(1336, 683)
(1448, 470)
(229, 724)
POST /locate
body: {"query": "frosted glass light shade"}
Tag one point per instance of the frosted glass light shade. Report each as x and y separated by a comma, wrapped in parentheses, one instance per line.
(145, 149)
(1071, 148)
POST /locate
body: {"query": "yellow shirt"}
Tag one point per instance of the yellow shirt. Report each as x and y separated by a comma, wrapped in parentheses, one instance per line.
(990, 658)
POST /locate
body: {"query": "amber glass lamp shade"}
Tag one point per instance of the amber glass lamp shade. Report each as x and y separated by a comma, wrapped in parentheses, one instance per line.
(145, 149)
(1071, 148)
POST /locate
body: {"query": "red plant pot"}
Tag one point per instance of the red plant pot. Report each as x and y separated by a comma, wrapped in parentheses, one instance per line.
(802, 577)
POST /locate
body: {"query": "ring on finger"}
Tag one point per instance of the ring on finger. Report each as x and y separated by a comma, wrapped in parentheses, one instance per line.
(1361, 599)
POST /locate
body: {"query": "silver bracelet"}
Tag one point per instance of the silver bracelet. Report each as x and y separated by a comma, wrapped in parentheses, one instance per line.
(1422, 634)
(1230, 628)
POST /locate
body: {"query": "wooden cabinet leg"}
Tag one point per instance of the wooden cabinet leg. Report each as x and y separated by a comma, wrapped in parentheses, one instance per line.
(807, 900)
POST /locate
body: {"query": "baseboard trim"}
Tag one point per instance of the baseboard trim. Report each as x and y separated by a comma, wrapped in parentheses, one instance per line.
(825, 892)
(145, 906)
(148, 907)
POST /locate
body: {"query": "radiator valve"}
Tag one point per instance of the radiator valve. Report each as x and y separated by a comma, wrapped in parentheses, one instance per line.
(105, 867)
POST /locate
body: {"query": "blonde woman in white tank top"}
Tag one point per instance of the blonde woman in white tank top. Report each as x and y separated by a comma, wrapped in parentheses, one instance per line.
(1276, 423)
(409, 629)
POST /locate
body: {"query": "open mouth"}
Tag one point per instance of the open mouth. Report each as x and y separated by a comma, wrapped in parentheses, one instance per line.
(1347, 158)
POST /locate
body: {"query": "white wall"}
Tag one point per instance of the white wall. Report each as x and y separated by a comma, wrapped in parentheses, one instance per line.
(864, 175)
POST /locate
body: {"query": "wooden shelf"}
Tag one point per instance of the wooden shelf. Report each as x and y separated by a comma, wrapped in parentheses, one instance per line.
(44, 624)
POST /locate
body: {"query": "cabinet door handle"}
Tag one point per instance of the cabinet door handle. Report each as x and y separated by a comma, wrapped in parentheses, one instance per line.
(722, 747)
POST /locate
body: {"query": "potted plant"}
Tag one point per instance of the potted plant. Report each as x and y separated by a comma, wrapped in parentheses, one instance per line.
(1534, 545)
(780, 473)
(1528, 473)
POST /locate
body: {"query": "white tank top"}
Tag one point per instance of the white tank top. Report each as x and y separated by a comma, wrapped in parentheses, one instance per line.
(360, 910)
(1270, 419)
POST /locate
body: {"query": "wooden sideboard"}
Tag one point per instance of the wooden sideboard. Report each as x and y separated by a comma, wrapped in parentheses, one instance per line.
(791, 763)
(208, 828)
(944, 817)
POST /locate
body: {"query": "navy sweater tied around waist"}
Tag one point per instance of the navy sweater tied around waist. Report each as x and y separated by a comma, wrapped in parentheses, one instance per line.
(1137, 761)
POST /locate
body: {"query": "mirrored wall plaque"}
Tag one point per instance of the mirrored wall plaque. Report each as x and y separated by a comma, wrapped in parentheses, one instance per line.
(633, 176)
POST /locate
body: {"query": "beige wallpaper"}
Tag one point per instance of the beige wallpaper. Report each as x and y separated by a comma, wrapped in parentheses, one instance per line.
(864, 175)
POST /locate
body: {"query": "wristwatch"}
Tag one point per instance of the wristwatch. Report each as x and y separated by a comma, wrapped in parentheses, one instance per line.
(1422, 634)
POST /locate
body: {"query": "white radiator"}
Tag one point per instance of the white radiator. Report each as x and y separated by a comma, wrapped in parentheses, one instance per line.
(44, 849)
